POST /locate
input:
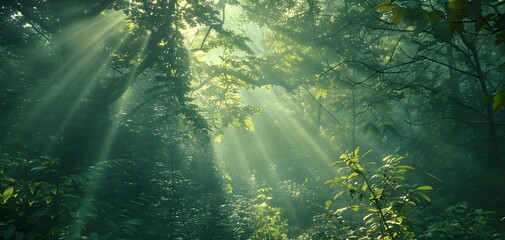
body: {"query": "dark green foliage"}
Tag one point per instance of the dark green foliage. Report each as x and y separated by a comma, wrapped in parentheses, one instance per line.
(461, 222)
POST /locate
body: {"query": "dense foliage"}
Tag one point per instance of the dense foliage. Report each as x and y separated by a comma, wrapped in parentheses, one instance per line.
(225, 119)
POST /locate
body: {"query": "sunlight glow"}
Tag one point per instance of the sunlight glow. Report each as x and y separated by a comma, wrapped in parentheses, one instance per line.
(249, 156)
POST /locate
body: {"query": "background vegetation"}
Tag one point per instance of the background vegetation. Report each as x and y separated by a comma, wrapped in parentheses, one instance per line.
(252, 119)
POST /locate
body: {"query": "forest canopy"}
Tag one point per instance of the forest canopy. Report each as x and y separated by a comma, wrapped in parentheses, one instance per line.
(252, 119)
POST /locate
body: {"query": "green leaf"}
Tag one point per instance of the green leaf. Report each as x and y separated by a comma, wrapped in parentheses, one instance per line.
(385, 7)
(8, 193)
(329, 181)
(499, 99)
(355, 207)
(352, 175)
(442, 31)
(328, 203)
(249, 124)
(423, 195)
(398, 14)
(136, 222)
(67, 181)
(457, 4)
(405, 167)
(425, 188)
(365, 187)
(37, 169)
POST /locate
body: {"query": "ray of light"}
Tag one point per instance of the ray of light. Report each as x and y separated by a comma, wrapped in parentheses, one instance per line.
(85, 67)
(86, 39)
(281, 134)
(92, 82)
(296, 132)
(235, 143)
(103, 153)
(86, 204)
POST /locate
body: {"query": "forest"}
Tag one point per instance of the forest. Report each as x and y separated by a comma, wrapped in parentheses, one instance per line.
(252, 119)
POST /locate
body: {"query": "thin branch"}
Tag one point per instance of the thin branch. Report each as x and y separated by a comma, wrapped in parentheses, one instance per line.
(452, 119)
(325, 109)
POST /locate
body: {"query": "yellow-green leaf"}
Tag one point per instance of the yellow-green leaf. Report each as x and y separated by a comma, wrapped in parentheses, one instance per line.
(218, 138)
(7, 194)
(457, 4)
(352, 175)
(249, 124)
(398, 14)
(405, 167)
(321, 93)
(423, 195)
(328, 203)
(425, 188)
(385, 7)
(329, 181)
(499, 99)
(365, 187)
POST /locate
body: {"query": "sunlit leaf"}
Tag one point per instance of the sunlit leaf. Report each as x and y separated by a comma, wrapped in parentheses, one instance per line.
(368, 216)
(499, 99)
(365, 187)
(399, 177)
(329, 181)
(372, 209)
(425, 188)
(218, 138)
(405, 167)
(352, 175)
(37, 169)
(328, 203)
(423, 195)
(249, 124)
(385, 7)
(8, 193)
(355, 207)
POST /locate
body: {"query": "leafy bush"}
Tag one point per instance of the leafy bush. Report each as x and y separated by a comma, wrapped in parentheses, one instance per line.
(459, 222)
(379, 195)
